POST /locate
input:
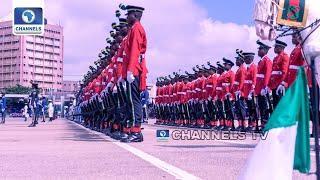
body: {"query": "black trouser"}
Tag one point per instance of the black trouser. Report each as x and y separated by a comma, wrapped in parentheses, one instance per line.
(264, 108)
(228, 109)
(211, 110)
(3, 116)
(240, 109)
(220, 112)
(144, 111)
(252, 113)
(199, 113)
(173, 112)
(192, 111)
(186, 111)
(207, 113)
(134, 106)
(275, 98)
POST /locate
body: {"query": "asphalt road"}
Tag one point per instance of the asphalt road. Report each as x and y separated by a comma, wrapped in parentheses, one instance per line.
(64, 150)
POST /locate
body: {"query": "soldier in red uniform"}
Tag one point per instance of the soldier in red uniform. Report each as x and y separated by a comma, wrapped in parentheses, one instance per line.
(227, 84)
(193, 99)
(189, 99)
(184, 99)
(200, 94)
(220, 97)
(158, 101)
(279, 71)
(237, 90)
(135, 67)
(295, 61)
(248, 91)
(170, 102)
(263, 77)
(211, 83)
(179, 100)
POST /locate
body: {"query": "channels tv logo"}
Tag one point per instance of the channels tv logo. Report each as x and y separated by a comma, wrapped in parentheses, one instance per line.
(163, 135)
(28, 18)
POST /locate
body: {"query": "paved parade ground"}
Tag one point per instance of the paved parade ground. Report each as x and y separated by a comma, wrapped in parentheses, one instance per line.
(65, 150)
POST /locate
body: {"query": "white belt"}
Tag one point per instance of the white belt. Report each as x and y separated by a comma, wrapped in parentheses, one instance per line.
(110, 70)
(294, 67)
(248, 81)
(104, 83)
(260, 75)
(120, 59)
(236, 83)
(219, 88)
(204, 90)
(98, 83)
(276, 72)
(184, 93)
(174, 94)
(171, 96)
(225, 84)
(194, 91)
(179, 92)
(208, 85)
(166, 95)
(189, 91)
(198, 89)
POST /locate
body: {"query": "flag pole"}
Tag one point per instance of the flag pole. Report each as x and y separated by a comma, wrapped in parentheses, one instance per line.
(315, 120)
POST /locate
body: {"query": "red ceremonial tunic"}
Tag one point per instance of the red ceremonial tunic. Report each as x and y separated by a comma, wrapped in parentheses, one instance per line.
(279, 70)
(239, 79)
(296, 60)
(250, 80)
(263, 74)
(136, 48)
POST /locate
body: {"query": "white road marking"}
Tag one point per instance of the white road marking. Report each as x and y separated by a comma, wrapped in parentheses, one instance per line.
(175, 171)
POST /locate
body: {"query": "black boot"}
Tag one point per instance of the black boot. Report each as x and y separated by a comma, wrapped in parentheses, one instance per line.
(116, 135)
(133, 137)
(123, 135)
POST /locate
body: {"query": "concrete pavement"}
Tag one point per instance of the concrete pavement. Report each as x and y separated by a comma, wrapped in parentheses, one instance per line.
(65, 150)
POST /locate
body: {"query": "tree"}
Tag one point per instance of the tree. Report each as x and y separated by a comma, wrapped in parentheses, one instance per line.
(17, 89)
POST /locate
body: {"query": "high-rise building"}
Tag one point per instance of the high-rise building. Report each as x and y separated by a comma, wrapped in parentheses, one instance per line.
(70, 86)
(26, 58)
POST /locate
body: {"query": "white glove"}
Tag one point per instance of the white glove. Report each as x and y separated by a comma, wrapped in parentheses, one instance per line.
(119, 80)
(281, 89)
(145, 106)
(237, 93)
(109, 85)
(228, 94)
(130, 77)
(263, 92)
(124, 85)
(250, 96)
(115, 89)
(209, 98)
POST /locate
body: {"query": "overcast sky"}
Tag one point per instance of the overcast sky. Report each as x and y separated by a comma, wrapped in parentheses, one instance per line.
(180, 33)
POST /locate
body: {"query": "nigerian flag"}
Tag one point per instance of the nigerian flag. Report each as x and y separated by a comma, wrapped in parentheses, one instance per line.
(287, 145)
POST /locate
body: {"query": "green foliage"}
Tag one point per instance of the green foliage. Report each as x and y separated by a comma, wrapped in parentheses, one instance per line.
(17, 89)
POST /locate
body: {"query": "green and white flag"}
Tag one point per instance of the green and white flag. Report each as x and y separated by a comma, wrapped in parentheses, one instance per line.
(287, 145)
